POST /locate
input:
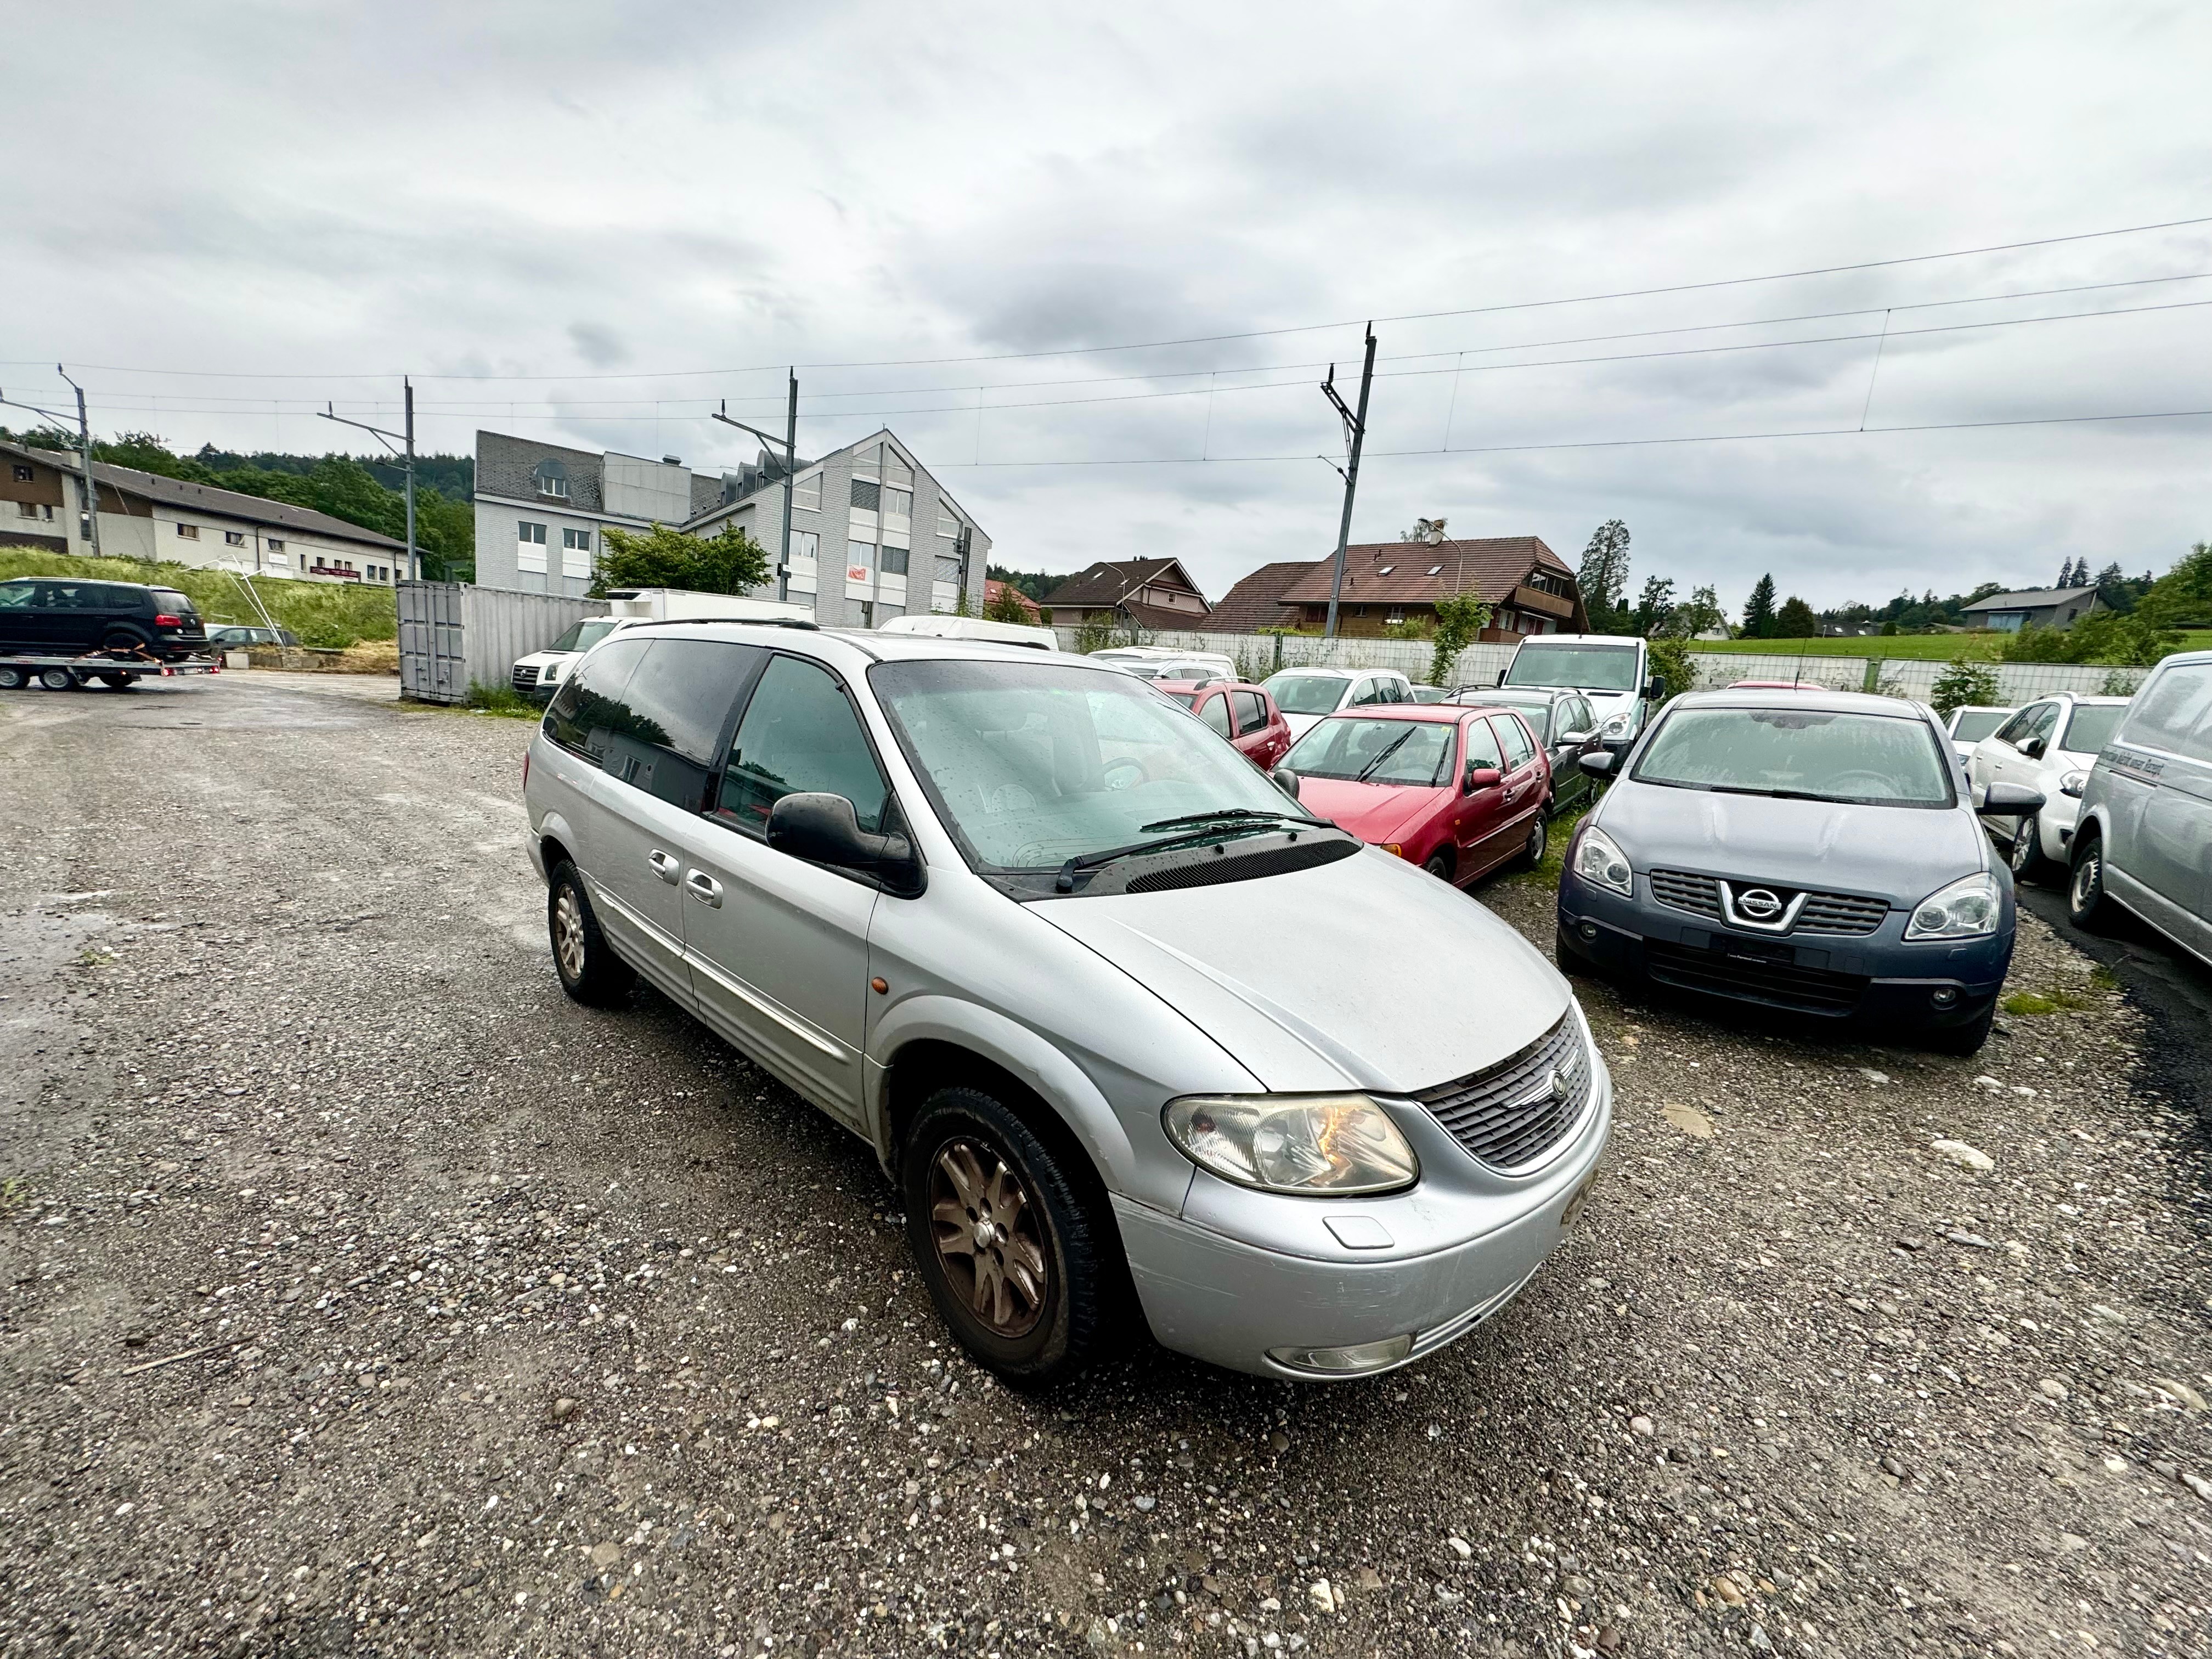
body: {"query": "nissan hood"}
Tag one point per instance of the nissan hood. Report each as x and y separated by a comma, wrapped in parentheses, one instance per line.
(1365, 973)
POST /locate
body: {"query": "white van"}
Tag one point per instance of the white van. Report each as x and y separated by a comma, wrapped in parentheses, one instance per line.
(1160, 662)
(975, 628)
(1614, 670)
(537, 677)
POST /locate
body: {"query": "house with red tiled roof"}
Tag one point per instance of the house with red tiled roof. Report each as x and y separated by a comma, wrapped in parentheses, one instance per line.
(1151, 593)
(1390, 585)
(994, 594)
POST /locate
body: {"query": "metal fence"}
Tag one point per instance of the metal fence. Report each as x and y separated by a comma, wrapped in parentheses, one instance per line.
(1258, 655)
(455, 635)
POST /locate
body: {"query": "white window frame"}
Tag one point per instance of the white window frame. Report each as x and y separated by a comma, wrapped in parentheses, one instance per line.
(806, 493)
(575, 555)
(191, 533)
(530, 546)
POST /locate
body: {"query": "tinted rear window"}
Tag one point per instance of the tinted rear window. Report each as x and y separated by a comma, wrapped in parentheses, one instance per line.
(165, 599)
(651, 712)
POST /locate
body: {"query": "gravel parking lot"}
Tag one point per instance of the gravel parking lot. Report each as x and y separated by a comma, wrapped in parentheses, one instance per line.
(362, 1294)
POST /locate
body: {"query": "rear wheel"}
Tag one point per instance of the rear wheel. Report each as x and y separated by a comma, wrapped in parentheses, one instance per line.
(590, 970)
(2087, 906)
(1011, 1254)
(57, 679)
(12, 678)
(123, 639)
(1539, 842)
(117, 682)
(2028, 863)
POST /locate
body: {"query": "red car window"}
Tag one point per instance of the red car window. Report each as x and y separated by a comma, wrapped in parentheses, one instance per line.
(1481, 747)
(1214, 711)
(1519, 750)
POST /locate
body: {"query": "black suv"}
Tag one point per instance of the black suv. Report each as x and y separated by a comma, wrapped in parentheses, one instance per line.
(71, 617)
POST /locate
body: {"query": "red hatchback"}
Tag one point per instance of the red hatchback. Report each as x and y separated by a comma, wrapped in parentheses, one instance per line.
(1244, 715)
(1457, 791)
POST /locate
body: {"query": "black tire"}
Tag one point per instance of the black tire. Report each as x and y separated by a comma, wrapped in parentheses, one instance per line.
(123, 639)
(590, 970)
(1571, 961)
(13, 679)
(1538, 842)
(1439, 864)
(117, 682)
(1052, 1318)
(2087, 905)
(1965, 1039)
(57, 679)
(2028, 863)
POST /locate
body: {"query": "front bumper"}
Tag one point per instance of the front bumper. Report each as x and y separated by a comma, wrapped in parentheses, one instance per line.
(1233, 1301)
(1875, 978)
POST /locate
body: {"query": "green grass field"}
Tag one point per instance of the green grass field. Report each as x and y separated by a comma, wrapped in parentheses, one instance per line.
(1925, 647)
(320, 613)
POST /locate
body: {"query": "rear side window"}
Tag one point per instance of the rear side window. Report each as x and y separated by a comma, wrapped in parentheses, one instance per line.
(680, 697)
(1215, 713)
(590, 714)
(1514, 736)
(800, 735)
(2174, 713)
(17, 596)
(1251, 711)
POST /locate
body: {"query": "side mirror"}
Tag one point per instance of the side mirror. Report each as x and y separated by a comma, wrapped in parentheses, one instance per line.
(1569, 739)
(1483, 777)
(2010, 800)
(2033, 749)
(823, 828)
(1286, 781)
(1654, 688)
(1598, 765)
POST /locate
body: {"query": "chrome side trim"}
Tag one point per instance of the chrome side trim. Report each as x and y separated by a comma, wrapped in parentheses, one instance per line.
(753, 999)
(653, 930)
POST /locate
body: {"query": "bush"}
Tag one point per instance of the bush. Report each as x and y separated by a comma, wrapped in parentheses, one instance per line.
(660, 558)
(1670, 659)
(1964, 684)
(499, 700)
(2135, 640)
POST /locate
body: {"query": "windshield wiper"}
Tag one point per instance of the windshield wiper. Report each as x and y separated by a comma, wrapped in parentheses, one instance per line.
(1388, 749)
(1228, 815)
(1779, 794)
(1064, 882)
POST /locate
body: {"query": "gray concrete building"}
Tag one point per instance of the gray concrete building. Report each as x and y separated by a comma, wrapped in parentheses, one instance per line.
(873, 535)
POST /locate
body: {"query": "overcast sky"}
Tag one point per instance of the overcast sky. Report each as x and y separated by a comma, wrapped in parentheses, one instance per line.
(591, 222)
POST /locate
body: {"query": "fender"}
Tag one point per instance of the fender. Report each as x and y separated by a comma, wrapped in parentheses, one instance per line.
(557, 827)
(1160, 1183)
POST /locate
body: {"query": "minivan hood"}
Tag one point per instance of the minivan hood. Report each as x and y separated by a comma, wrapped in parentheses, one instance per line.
(1901, 854)
(1365, 973)
(1372, 812)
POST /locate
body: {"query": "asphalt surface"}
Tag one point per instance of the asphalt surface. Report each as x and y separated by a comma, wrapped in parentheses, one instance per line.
(360, 1294)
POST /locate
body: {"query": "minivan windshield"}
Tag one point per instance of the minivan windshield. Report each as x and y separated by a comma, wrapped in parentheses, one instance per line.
(1878, 760)
(1585, 667)
(583, 636)
(1306, 694)
(2092, 727)
(1977, 723)
(1030, 766)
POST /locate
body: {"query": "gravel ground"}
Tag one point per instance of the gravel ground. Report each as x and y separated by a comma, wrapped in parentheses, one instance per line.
(364, 1296)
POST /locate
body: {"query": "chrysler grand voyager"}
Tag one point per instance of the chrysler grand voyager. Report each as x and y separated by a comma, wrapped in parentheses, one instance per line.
(1119, 1016)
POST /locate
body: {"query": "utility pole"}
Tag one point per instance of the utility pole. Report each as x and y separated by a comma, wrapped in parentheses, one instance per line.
(1355, 434)
(790, 444)
(406, 449)
(91, 520)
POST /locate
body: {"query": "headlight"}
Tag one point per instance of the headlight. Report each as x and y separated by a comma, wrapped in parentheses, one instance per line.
(2074, 783)
(1967, 909)
(1617, 726)
(550, 673)
(1327, 1146)
(1599, 860)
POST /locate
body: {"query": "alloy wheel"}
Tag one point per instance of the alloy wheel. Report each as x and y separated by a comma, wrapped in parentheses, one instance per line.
(2023, 845)
(569, 933)
(984, 1225)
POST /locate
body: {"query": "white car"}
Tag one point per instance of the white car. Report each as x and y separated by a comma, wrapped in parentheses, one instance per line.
(1307, 696)
(2049, 745)
(1160, 662)
(1968, 725)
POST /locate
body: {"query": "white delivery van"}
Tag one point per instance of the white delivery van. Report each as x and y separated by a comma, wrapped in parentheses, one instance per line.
(1160, 662)
(538, 676)
(1614, 670)
(975, 628)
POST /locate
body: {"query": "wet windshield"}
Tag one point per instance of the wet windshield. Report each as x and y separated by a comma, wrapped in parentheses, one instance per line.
(1875, 759)
(1584, 667)
(2092, 727)
(1306, 694)
(1031, 765)
(584, 634)
(1415, 752)
(1977, 724)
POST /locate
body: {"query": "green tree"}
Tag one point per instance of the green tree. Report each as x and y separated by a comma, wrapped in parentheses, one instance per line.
(1700, 613)
(1965, 683)
(1460, 618)
(1008, 607)
(2183, 596)
(1889, 630)
(1655, 607)
(2102, 636)
(1758, 609)
(1671, 661)
(1796, 620)
(1603, 577)
(660, 558)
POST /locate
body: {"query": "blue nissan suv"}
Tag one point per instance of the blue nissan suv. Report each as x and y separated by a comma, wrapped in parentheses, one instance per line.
(1810, 851)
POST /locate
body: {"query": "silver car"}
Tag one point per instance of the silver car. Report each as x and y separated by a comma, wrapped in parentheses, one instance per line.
(2143, 838)
(1134, 1034)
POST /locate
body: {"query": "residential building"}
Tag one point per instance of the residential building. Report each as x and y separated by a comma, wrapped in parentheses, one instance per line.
(994, 594)
(2033, 607)
(1256, 601)
(1390, 585)
(859, 516)
(1146, 594)
(144, 515)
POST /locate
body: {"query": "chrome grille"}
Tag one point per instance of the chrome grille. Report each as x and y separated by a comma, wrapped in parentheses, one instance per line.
(1840, 913)
(1700, 894)
(525, 676)
(1508, 1116)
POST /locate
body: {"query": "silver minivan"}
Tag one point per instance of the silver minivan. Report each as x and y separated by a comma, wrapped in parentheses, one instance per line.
(1137, 1037)
(2144, 836)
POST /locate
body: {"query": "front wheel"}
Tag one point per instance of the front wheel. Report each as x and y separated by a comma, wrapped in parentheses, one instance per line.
(13, 679)
(590, 970)
(1965, 1039)
(1439, 865)
(1011, 1252)
(2087, 905)
(57, 679)
(2028, 863)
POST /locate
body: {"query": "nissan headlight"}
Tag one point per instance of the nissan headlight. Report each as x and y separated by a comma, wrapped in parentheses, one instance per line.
(1320, 1146)
(1600, 861)
(1967, 909)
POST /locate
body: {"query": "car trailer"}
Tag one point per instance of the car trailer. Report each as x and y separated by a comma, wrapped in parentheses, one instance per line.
(116, 670)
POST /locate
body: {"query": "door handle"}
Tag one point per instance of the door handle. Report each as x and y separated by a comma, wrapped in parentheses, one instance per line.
(704, 887)
(665, 865)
